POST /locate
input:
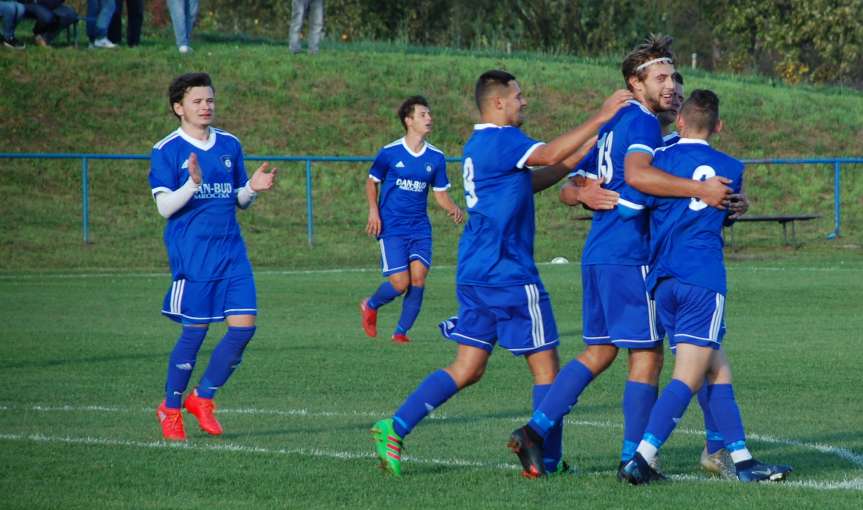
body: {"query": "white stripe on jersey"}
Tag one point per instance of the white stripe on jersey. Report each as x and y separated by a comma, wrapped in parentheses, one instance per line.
(432, 147)
(161, 143)
(222, 132)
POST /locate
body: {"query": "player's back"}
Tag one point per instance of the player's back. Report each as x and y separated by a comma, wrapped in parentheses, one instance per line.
(496, 247)
(686, 234)
(613, 240)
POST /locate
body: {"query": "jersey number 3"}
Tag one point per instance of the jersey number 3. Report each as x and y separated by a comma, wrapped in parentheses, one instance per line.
(604, 167)
(702, 173)
(469, 186)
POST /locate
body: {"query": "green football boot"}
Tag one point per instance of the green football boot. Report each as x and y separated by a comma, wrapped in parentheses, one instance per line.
(388, 445)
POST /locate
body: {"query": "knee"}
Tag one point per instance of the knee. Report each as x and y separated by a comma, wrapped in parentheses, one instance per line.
(597, 358)
(465, 376)
(645, 369)
(400, 282)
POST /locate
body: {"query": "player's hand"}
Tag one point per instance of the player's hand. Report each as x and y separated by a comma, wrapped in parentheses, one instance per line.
(737, 204)
(595, 197)
(456, 214)
(263, 178)
(714, 191)
(194, 168)
(614, 103)
(373, 227)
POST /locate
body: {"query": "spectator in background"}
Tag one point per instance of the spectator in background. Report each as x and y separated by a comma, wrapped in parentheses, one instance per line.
(51, 17)
(11, 12)
(184, 13)
(134, 20)
(316, 23)
(99, 14)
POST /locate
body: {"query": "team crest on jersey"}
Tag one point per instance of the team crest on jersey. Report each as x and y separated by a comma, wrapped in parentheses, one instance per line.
(226, 160)
(428, 168)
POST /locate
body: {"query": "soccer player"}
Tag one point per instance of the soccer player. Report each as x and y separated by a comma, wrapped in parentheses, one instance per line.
(617, 313)
(688, 281)
(501, 297)
(398, 216)
(198, 179)
(714, 457)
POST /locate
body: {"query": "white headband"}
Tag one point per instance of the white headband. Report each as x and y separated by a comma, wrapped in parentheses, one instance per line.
(662, 60)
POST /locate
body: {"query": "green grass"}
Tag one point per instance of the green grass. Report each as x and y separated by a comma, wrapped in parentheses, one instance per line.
(297, 412)
(342, 102)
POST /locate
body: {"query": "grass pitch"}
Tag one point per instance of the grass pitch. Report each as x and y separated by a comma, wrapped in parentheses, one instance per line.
(83, 360)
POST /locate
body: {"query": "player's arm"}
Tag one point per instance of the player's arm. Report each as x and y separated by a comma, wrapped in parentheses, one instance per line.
(445, 202)
(545, 177)
(262, 180)
(373, 226)
(169, 202)
(555, 151)
(641, 175)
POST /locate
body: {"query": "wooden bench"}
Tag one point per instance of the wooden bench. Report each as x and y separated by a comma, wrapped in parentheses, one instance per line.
(784, 220)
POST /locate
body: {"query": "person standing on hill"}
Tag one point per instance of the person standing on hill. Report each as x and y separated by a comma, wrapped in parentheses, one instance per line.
(184, 14)
(315, 11)
(198, 180)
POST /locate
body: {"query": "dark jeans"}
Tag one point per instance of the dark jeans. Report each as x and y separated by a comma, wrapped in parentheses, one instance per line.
(49, 22)
(134, 20)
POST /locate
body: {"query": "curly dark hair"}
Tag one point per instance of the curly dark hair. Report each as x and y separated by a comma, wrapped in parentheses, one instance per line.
(407, 108)
(181, 84)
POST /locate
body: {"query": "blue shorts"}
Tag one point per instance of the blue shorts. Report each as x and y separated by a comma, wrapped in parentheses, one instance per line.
(691, 315)
(191, 302)
(398, 252)
(616, 308)
(519, 318)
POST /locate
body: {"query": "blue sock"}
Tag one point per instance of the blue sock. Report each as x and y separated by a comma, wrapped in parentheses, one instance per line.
(711, 431)
(552, 446)
(410, 308)
(667, 411)
(385, 293)
(225, 359)
(726, 414)
(181, 363)
(435, 389)
(638, 400)
(562, 395)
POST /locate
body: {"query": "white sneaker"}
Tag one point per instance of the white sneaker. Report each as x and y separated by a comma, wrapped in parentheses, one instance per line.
(184, 49)
(718, 463)
(103, 43)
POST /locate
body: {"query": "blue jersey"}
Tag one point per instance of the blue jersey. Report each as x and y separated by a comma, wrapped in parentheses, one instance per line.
(405, 177)
(611, 239)
(203, 238)
(686, 234)
(496, 247)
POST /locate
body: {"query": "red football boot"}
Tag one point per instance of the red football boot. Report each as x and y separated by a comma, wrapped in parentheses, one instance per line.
(172, 423)
(202, 409)
(369, 318)
(401, 338)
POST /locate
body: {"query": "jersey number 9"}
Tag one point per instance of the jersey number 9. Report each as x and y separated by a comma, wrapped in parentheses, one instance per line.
(702, 173)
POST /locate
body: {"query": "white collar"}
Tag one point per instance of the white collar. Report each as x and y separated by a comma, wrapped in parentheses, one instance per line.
(487, 125)
(412, 153)
(204, 146)
(693, 140)
(641, 105)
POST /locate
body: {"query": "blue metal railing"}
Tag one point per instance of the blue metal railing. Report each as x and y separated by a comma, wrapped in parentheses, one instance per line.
(308, 160)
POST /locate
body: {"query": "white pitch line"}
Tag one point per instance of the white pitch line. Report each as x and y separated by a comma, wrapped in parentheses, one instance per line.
(844, 453)
(288, 272)
(852, 484)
